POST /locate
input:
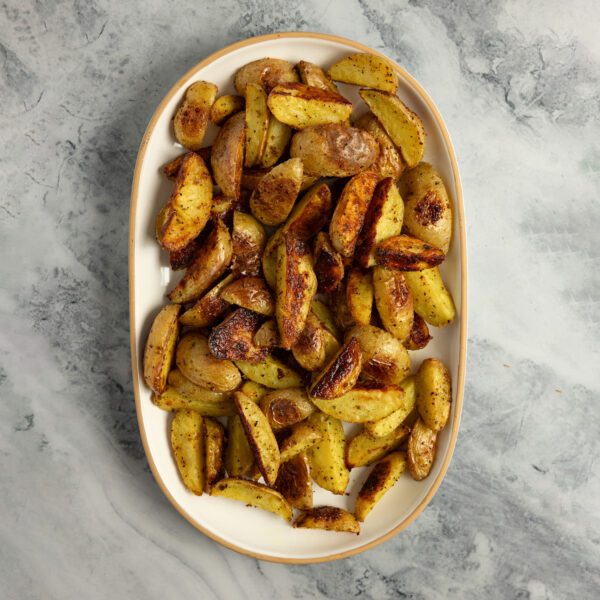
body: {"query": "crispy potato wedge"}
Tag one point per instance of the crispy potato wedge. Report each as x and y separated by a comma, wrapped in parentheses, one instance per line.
(299, 105)
(359, 295)
(382, 220)
(271, 373)
(419, 336)
(394, 301)
(311, 213)
(383, 476)
(267, 72)
(269, 258)
(160, 348)
(363, 449)
(326, 316)
(309, 349)
(227, 156)
(428, 207)
(171, 169)
(214, 444)
(302, 436)
(432, 300)
(407, 253)
(286, 407)
(313, 76)
(330, 518)
(226, 106)
(403, 126)
(233, 339)
(421, 451)
(257, 122)
(249, 240)
(277, 139)
(253, 494)
(191, 118)
(326, 457)
(209, 308)
(274, 197)
(295, 287)
(434, 393)
(267, 335)
(239, 458)
(196, 362)
(184, 258)
(343, 317)
(161, 219)
(385, 425)
(254, 390)
(366, 70)
(223, 208)
(334, 150)
(340, 374)
(294, 483)
(212, 260)
(251, 293)
(329, 267)
(187, 442)
(260, 437)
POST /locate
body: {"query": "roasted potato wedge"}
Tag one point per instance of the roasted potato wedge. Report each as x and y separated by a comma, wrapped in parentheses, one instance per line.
(209, 308)
(383, 476)
(294, 484)
(343, 317)
(251, 177)
(254, 390)
(403, 126)
(382, 220)
(253, 494)
(326, 316)
(171, 169)
(302, 436)
(160, 348)
(187, 442)
(249, 240)
(326, 457)
(267, 72)
(191, 118)
(300, 106)
(330, 518)
(421, 451)
(274, 197)
(309, 349)
(196, 362)
(233, 339)
(434, 393)
(313, 76)
(214, 444)
(277, 139)
(251, 293)
(385, 425)
(432, 300)
(350, 211)
(340, 374)
(257, 122)
(239, 458)
(428, 207)
(227, 156)
(269, 258)
(359, 295)
(329, 267)
(407, 253)
(226, 106)
(223, 208)
(184, 258)
(212, 260)
(271, 373)
(334, 150)
(366, 70)
(267, 335)
(260, 437)
(286, 407)
(419, 336)
(394, 301)
(311, 213)
(363, 449)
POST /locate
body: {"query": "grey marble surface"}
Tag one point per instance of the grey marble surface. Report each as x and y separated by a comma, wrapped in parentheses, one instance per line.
(518, 515)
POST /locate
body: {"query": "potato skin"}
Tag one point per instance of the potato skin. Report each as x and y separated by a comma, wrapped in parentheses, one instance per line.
(407, 253)
(191, 118)
(209, 308)
(294, 484)
(329, 267)
(434, 393)
(249, 239)
(286, 407)
(187, 442)
(329, 518)
(419, 336)
(421, 451)
(394, 301)
(251, 293)
(432, 300)
(267, 72)
(227, 156)
(309, 349)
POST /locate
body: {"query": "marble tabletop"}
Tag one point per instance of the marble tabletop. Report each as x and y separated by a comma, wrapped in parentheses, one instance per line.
(517, 515)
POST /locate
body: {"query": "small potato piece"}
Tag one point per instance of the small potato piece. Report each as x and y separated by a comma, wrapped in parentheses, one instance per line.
(209, 308)
(428, 208)
(294, 484)
(419, 334)
(257, 121)
(422, 449)
(196, 362)
(340, 374)
(254, 390)
(295, 287)
(363, 449)
(299, 105)
(251, 293)
(269, 258)
(249, 240)
(366, 70)
(343, 317)
(227, 156)
(187, 442)
(233, 339)
(383, 476)
(359, 295)
(434, 393)
(312, 75)
(260, 437)
(432, 300)
(271, 373)
(267, 335)
(394, 301)
(334, 150)
(403, 126)
(330, 518)
(239, 458)
(383, 220)
(274, 197)
(214, 447)
(324, 314)
(309, 349)
(286, 407)
(407, 253)
(160, 348)
(212, 260)
(191, 118)
(311, 213)
(326, 457)
(302, 437)
(385, 425)
(329, 267)
(350, 211)
(253, 494)
(267, 72)
(277, 138)
(224, 107)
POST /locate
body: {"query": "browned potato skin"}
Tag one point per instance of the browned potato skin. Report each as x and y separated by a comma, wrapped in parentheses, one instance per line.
(329, 267)
(407, 253)
(334, 150)
(342, 315)
(286, 407)
(223, 208)
(214, 445)
(309, 349)
(252, 293)
(209, 308)
(330, 518)
(359, 295)
(182, 259)
(227, 156)
(191, 118)
(294, 484)
(394, 301)
(434, 393)
(267, 72)
(172, 167)
(419, 334)
(421, 451)
(267, 335)
(313, 75)
(311, 213)
(340, 374)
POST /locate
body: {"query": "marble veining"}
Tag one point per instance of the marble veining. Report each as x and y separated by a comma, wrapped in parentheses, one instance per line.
(517, 515)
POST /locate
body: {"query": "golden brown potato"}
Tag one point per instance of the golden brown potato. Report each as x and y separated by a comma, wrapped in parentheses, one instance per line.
(214, 448)
(363, 449)
(329, 267)
(394, 301)
(359, 295)
(239, 458)
(342, 315)
(224, 107)
(271, 373)
(294, 484)
(434, 393)
(182, 259)
(227, 156)
(334, 150)
(191, 118)
(407, 253)
(385, 425)
(257, 122)
(187, 443)
(422, 449)
(171, 168)
(267, 72)
(209, 308)
(419, 336)
(366, 70)
(432, 300)
(277, 139)
(249, 240)
(309, 349)
(251, 293)
(223, 208)
(212, 260)
(329, 518)
(160, 348)
(254, 390)
(302, 436)
(196, 362)
(326, 316)
(269, 258)
(403, 126)
(233, 339)
(428, 208)
(311, 213)
(267, 335)
(350, 210)
(274, 196)
(286, 407)
(312, 75)
(251, 177)
(300, 106)
(382, 220)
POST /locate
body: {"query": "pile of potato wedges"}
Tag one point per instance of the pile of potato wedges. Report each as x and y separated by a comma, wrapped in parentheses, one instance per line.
(310, 243)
